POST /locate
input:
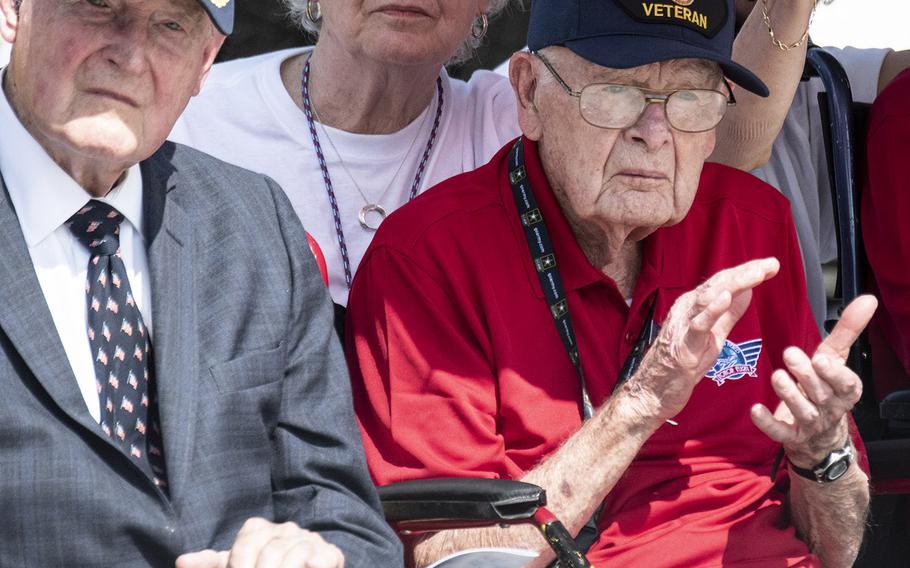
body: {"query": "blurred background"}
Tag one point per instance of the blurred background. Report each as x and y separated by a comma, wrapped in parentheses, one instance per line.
(262, 26)
(863, 23)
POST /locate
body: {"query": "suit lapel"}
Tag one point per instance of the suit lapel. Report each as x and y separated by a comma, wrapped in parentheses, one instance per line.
(169, 236)
(26, 320)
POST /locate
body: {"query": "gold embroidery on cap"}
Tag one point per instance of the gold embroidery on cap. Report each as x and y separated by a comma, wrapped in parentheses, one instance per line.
(678, 12)
(684, 2)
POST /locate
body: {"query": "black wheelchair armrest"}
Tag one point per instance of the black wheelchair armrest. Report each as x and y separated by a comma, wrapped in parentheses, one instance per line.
(889, 458)
(435, 504)
(889, 461)
(896, 406)
(428, 505)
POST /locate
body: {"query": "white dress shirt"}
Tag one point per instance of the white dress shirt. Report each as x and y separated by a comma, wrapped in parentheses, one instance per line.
(45, 197)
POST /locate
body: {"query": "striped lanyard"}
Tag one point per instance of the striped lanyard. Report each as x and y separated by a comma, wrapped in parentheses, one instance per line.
(329, 189)
(543, 257)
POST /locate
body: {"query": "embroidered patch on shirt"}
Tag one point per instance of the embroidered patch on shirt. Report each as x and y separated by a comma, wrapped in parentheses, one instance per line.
(736, 360)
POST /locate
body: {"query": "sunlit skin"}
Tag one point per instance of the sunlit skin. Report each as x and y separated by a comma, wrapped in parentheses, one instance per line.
(744, 8)
(375, 64)
(626, 183)
(103, 90)
(399, 32)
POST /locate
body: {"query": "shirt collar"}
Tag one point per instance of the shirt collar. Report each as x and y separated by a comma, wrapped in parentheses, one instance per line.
(43, 194)
(574, 267)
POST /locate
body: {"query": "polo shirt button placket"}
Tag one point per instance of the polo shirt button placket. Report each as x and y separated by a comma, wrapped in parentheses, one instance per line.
(630, 338)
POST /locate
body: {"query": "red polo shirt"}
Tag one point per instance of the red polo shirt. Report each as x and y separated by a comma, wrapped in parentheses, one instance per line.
(886, 233)
(458, 369)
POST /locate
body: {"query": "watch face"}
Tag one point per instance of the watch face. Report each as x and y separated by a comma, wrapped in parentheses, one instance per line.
(837, 469)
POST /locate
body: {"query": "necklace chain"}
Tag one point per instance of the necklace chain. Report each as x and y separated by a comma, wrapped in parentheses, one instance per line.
(327, 179)
(367, 202)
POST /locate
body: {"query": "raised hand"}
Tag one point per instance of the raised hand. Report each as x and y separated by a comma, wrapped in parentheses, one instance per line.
(816, 394)
(693, 335)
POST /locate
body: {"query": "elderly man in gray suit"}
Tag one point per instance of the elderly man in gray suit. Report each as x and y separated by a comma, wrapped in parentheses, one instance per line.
(173, 391)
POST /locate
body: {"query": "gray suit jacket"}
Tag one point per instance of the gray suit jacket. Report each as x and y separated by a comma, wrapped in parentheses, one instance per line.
(254, 396)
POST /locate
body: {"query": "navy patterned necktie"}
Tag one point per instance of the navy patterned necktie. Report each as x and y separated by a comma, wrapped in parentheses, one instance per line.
(120, 343)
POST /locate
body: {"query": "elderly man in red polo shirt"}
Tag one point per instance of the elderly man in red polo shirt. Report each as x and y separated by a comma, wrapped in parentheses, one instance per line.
(599, 312)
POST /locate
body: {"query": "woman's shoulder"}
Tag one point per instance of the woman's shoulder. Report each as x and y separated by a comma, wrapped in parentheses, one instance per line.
(483, 114)
(239, 102)
(482, 90)
(234, 73)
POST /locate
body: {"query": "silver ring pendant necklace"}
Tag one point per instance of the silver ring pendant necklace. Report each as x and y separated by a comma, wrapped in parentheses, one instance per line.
(366, 210)
(371, 215)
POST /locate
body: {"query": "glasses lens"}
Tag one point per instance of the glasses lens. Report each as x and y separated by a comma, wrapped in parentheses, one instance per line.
(696, 110)
(611, 106)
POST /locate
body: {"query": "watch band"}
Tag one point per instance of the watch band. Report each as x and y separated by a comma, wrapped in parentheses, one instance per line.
(832, 468)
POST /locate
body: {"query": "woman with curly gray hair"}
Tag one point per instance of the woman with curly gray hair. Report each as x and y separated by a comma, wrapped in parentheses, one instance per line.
(362, 122)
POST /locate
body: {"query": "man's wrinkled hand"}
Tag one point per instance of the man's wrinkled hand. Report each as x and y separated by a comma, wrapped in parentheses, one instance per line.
(693, 335)
(817, 394)
(262, 544)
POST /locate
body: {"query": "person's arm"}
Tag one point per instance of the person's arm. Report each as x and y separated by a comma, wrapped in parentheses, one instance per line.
(894, 63)
(326, 511)
(417, 354)
(830, 517)
(813, 419)
(579, 475)
(320, 477)
(748, 131)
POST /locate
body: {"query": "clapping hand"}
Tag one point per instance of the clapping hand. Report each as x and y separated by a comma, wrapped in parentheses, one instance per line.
(693, 335)
(817, 394)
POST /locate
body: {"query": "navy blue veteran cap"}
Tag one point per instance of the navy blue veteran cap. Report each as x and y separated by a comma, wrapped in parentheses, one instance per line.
(222, 14)
(628, 33)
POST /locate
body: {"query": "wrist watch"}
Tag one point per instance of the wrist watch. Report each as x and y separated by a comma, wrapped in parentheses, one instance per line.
(832, 468)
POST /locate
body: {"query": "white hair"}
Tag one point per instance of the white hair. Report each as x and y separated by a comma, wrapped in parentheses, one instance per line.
(297, 12)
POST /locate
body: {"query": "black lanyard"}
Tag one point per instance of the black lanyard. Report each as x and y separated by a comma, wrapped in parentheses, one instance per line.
(543, 257)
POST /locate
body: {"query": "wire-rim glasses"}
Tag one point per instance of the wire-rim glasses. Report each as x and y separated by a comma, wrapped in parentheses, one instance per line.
(616, 106)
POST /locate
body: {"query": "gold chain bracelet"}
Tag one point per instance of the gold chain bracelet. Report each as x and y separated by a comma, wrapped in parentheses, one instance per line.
(781, 45)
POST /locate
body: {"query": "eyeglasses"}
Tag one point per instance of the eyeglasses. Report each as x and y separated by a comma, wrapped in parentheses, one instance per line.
(607, 105)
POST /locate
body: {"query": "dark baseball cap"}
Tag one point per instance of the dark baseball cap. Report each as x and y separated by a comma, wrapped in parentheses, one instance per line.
(222, 14)
(621, 34)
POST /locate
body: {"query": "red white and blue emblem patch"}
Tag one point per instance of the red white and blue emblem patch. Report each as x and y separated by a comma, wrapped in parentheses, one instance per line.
(736, 360)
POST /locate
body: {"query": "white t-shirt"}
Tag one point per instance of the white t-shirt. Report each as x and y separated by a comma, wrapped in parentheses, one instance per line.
(245, 116)
(5, 49)
(799, 169)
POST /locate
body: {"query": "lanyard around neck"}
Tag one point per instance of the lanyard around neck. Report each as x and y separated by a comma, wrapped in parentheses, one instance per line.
(327, 179)
(543, 257)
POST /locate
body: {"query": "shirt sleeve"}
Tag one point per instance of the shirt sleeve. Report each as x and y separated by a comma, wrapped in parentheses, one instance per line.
(493, 122)
(425, 391)
(319, 475)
